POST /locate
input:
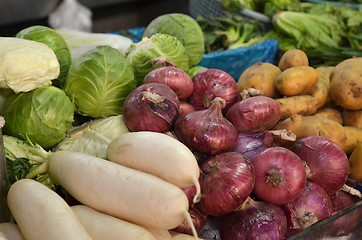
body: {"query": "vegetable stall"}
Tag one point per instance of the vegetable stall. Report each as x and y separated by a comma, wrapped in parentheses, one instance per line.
(147, 134)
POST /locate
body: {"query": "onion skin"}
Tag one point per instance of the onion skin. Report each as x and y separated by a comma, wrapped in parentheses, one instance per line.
(174, 77)
(250, 144)
(254, 114)
(206, 131)
(198, 218)
(211, 83)
(227, 181)
(327, 162)
(280, 176)
(151, 107)
(185, 107)
(258, 221)
(313, 205)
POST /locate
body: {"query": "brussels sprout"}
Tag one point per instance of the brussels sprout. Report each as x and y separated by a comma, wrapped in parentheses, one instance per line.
(99, 81)
(185, 29)
(141, 54)
(56, 42)
(41, 116)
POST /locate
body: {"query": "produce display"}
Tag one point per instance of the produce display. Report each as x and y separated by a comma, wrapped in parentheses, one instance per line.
(141, 142)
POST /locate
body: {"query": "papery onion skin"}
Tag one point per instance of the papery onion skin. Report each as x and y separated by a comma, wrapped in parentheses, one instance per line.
(250, 144)
(254, 114)
(185, 107)
(347, 223)
(198, 218)
(260, 221)
(327, 162)
(151, 107)
(175, 78)
(211, 83)
(206, 131)
(313, 205)
(227, 180)
(280, 176)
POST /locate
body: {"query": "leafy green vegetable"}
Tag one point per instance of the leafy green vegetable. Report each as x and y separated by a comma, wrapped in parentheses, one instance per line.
(99, 81)
(194, 70)
(184, 28)
(141, 54)
(237, 5)
(41, 116)
(56, 42)
(231, 31)
(26, 160)
(93, 136)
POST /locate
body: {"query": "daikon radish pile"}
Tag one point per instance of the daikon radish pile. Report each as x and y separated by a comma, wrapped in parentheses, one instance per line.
(157, 154)
(41, 214)
(10, 231)
(122, 192)
(101, 226)
(161, 234)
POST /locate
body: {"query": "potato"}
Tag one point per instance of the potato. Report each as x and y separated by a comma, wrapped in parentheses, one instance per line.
(354, 137)
(320, 90)
(330, 113)
(352, 118)
(260, 76)
(346, 84)
(355, 164)
(304, 126)
(293, 58)
(301, 104)
(296, 80)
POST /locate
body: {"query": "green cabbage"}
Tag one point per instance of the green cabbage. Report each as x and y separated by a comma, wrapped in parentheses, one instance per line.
(99, 81)
(185, 29)
(41, 116)
(141, 54)
(56, 42)
(94, 136)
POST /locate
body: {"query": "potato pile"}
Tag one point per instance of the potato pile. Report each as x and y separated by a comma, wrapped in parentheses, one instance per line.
(324, 101)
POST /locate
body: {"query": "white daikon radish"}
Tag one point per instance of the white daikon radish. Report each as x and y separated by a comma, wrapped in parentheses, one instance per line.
(10, 231)
(160, 234)
(122, 192)
(157, 154)
(102, 226)
(41, 214)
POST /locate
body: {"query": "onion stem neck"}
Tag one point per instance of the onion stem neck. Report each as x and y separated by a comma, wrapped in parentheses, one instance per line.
(274, 177)
(152, 97)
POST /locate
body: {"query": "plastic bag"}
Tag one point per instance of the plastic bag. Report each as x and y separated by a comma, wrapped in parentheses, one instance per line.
(71, 14)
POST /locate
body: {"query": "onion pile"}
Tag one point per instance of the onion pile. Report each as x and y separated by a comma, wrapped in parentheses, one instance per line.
(254, 186)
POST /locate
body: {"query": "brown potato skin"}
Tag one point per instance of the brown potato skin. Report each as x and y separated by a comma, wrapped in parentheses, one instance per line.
(300, 104)
(354, 137)
(293, 58)
(296, 80)
(260, 76)
(352, 118)
(304, 126)
(355, 164)
(330, 113)
(320, 90)
(346, 84)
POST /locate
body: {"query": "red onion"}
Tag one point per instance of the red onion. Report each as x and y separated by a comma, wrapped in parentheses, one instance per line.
(250, 144)
(185, 107)
(206, 131)
(280, 176)
(191, 192)
(347, 223)
(211, 83)
(327, 163)
(227, 180)
(254, 114)
(256, 220)
(311, 206)
(151, 107)
(178, 80)
(198, 218)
